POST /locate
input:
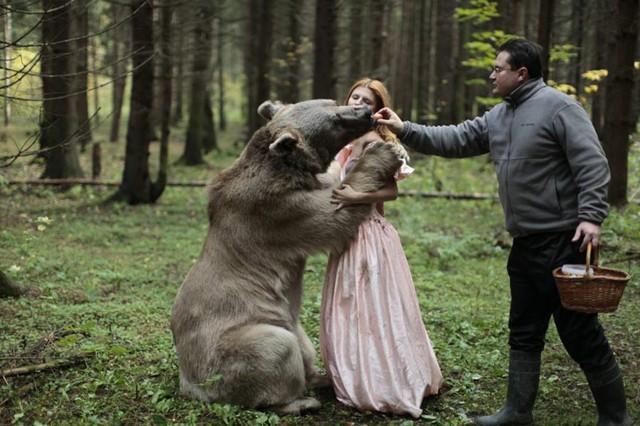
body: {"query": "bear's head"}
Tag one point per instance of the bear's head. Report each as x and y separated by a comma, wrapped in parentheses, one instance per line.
(311, 133)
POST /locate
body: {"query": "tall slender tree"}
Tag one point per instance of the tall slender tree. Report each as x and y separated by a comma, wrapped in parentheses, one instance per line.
(136, 186)
(618, 125)
(58, 126)
(544, 33)
(80, 15)
(444, 62)
(324, 77)
(403, 84)
(6, 61)
(120, 53)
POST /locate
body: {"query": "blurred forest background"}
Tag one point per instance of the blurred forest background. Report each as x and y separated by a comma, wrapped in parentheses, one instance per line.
(78, 73)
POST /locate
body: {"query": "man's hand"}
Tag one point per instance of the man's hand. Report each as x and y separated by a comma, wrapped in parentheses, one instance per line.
(390, 119)
(589, 232)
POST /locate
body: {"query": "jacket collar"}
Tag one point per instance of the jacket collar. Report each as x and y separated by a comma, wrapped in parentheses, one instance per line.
(524, 92)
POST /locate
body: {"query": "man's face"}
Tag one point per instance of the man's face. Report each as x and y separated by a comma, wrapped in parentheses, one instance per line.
(505, 79)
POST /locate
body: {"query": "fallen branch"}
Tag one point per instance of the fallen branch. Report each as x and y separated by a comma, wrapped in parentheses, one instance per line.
(197, 183)
(28, 369)
(448, 195)
(91, 182)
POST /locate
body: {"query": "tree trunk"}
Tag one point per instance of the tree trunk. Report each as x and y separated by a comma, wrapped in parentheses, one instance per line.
(356, 52)
(198, 130)
(544, 34)
(119, 66)
(444, 62)
(58, 128)
(403, 96)
(81, 17)
(619, 89)
(578, 29)
(379, 37)
(290, 92)
(6, 61)
(601, 34)
(181, 14)
(263, 55)
(136, 187)
(517, 21)
(251, 48)
(9, 288)
(220, 31)
(423, 67)
(165, 82)
(324, 79)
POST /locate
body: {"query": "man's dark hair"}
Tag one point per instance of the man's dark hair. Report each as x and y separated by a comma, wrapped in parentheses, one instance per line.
(523, 53)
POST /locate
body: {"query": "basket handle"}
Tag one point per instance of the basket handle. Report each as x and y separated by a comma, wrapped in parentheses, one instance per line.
(595, 258)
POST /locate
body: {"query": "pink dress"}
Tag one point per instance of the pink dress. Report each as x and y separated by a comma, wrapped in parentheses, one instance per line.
(373, 342)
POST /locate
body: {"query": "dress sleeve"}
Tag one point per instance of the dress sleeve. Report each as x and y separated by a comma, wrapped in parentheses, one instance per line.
(343, 155)
(404, 171)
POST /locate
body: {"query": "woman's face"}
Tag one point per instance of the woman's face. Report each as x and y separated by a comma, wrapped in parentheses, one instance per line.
(364, 96)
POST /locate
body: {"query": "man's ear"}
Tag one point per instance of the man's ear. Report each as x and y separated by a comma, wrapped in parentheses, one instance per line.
(268, 109)
(285, 144)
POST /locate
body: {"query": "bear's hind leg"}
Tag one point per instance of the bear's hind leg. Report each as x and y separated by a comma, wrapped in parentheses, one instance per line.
(296, 407)
(264, 368)
(313, 377)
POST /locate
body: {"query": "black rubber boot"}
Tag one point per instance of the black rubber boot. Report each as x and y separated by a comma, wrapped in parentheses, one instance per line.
(524, 375)
(607, 388)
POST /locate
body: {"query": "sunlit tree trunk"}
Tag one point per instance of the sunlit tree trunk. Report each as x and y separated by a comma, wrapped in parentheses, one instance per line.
(6, 60)
(618, 124)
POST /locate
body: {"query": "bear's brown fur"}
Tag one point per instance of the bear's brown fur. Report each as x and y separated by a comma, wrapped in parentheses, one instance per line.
(235, 318)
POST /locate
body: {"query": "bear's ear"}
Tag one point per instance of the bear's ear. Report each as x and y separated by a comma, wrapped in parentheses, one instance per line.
(285, 143)
(268, 109)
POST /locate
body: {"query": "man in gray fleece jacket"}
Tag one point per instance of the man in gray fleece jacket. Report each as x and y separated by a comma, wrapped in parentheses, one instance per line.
(553, 178)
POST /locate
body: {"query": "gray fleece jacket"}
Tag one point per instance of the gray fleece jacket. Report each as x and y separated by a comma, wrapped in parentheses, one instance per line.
(552, 172)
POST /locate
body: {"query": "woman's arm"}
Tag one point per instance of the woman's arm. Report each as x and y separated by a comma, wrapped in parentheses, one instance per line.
(346, 195)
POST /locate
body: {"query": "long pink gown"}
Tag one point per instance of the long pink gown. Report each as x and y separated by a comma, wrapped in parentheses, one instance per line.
(373, 342)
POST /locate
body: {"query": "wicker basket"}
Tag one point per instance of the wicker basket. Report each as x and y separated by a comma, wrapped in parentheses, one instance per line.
(591, 293)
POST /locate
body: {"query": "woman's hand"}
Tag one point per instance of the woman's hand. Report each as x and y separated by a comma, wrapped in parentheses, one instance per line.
(344, 196)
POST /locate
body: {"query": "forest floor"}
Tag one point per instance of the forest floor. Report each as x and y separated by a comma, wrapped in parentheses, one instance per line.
(90, 343)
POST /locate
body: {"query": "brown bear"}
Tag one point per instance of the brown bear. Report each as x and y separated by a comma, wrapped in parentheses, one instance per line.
(235, 318)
